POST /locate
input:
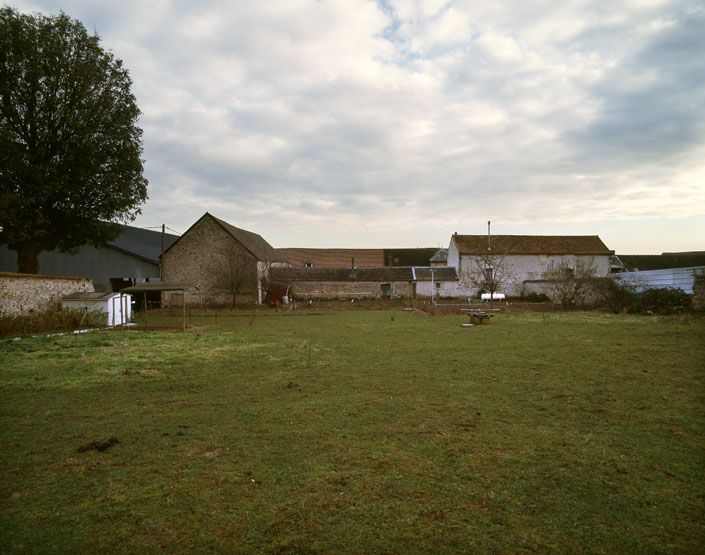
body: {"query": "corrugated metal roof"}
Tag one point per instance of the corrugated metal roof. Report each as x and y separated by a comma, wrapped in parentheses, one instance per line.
(144, 243)
(532, 244)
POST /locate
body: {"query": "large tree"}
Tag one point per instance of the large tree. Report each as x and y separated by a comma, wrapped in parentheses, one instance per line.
(70, 149)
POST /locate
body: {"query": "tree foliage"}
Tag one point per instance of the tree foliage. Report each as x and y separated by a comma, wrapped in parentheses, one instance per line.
(70, 149)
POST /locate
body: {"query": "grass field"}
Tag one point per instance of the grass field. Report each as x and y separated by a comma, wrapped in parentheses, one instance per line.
(364, 432)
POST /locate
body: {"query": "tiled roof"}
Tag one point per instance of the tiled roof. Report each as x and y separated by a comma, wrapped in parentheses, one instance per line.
(379, 274)
(251, 241)
(332, 258)
(532, 244)
(440, 273)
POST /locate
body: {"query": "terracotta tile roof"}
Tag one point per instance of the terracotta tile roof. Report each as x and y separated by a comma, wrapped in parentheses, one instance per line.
(379, 274)
(532, 244)
(332, 258)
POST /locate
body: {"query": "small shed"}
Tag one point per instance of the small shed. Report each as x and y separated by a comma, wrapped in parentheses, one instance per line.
(116, 307)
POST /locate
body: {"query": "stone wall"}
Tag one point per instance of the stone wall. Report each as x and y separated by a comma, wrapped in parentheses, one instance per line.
(199, 257)
(347, 290)
(23, 293)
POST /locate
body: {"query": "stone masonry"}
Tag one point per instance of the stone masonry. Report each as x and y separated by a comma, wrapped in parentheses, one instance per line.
(23, 293)
(196, 259)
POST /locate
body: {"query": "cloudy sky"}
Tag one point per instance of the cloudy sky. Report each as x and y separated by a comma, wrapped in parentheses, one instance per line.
(352, 123)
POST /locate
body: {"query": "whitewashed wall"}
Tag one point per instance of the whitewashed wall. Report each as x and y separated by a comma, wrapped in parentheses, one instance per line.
(523, 267)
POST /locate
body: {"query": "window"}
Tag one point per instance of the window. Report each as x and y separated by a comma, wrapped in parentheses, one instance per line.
(308, 264)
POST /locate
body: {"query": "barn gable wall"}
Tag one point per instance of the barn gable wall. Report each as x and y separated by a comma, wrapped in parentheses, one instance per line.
(196, 258)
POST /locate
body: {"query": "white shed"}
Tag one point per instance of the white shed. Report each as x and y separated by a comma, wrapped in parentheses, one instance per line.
(116, 307)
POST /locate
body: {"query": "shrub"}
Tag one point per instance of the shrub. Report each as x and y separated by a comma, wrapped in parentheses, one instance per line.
(536, 298)
(662, 301)
(55, 319)
(615, 295)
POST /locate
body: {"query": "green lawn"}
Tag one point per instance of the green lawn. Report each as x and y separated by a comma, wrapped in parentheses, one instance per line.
(360, 432)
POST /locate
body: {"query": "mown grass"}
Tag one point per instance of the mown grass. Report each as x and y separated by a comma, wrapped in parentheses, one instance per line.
(358, 432)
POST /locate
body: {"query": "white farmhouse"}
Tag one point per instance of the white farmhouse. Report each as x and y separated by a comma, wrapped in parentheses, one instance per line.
(518, 263)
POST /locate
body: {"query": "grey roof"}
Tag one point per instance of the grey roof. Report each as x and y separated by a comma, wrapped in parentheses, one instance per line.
(408, 257)
(441, 255)
(143, 243)
(440, 273)
(251, 241)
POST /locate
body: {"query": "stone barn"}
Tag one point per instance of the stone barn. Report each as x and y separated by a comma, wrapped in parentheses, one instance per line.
(226, 264)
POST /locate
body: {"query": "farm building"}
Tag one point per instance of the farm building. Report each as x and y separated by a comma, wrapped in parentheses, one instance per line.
(520, 263)
(131, 258)
(225, 263)
(344, 283)
(365, 283)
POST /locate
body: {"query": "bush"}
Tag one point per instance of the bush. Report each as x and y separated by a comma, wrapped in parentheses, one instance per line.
(662, 301)
(55, 319)
(536, 298)
(615, 295)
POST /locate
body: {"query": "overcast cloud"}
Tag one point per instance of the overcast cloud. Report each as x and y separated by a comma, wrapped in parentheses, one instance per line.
(394, 123)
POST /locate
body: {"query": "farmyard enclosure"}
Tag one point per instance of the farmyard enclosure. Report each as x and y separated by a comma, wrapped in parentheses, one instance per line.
(369, 431)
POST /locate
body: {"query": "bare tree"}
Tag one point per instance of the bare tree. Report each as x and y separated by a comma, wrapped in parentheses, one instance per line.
(569, 283)
(489, 272)
(234, 271)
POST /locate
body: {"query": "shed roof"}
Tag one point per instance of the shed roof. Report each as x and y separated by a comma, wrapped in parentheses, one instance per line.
(143, 243)
(408, 257)
(634, 262)
(532, 244)
(158, 286)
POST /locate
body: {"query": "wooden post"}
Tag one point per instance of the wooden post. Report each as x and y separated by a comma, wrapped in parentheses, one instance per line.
(183, 302)
(144, 300)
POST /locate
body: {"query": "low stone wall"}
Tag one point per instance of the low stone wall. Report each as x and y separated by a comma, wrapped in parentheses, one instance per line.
(346, 290)
(23, 293)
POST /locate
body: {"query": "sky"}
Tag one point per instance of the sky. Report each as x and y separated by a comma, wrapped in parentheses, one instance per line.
(394, 123)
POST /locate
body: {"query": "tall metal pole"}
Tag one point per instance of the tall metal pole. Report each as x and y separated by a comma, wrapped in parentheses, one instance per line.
(161, 259)
(489, 245)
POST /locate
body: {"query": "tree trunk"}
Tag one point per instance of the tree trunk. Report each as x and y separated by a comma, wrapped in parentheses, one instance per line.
(28, 258)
